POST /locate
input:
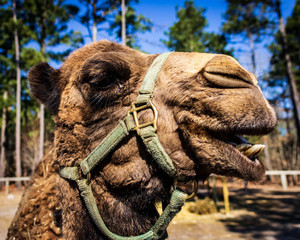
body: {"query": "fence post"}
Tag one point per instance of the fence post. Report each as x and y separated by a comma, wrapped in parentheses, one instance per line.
(215, 194)
(283, 181)
(6, 186)
(226, 195)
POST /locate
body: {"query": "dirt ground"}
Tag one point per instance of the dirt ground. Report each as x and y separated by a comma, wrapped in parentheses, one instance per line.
(8, 207)
(263, 212)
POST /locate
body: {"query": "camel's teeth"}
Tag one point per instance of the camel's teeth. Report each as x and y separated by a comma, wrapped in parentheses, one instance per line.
(254, 150)
(250, 150)
(243, 147)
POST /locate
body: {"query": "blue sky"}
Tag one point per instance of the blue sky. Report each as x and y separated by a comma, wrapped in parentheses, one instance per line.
(163, 16)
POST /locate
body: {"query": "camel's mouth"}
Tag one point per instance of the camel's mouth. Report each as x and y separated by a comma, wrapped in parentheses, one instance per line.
(227, 154)
(248, 155)
(249, 150)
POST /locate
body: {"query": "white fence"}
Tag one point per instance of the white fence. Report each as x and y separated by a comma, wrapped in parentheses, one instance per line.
(283, 174)
(12, 179)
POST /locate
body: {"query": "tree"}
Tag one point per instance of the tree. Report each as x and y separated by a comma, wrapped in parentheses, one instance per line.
(188, 34)
(290, 75)
(12, 16)
(123, 9)
(29, 16)
(94, 15)
(293, 40)
(18, 96)
(48, 20)
(285, 61)
(5, 45)
(134, 23)
(3, 137)
(246, 19)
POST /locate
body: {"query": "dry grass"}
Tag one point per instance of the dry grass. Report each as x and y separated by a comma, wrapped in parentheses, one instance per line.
(202, 206)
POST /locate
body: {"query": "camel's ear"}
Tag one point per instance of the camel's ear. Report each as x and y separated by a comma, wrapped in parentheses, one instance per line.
(44, 85)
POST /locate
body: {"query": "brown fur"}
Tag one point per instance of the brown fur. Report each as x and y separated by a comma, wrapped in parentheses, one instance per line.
(203, 102)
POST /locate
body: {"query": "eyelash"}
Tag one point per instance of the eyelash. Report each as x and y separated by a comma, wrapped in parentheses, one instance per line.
(102, 96)
(103, 84)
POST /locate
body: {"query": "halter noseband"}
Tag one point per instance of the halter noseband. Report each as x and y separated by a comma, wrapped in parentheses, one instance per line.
(147, 132)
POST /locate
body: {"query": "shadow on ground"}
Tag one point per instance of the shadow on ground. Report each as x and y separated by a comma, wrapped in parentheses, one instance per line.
(262, 213)
(269, 214)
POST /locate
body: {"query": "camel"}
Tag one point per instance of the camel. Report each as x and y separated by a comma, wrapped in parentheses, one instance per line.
(127, 134)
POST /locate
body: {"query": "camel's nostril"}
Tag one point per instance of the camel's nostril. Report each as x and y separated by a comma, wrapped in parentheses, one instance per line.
(224, 71)
(225, 80)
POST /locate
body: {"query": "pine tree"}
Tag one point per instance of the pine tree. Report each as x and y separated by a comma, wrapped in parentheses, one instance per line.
(285, 59)
(5, 62)
(48, 20)
(3, 137)
(95, 14)
(11, 45)
(123, 10)
(18, 96)
(247, 19)
(188, 34)
(134, 23)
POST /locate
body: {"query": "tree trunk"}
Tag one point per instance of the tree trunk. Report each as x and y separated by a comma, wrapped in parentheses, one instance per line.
(3, 139)
(42, 132)
(267, 154)
(94, 20)
(290, 74)
(123, 22)
(18, 95)
(42, 107)
(253, 61)
(252, 53)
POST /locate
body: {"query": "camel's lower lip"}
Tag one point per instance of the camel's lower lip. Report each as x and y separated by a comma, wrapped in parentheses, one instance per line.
(228, 155)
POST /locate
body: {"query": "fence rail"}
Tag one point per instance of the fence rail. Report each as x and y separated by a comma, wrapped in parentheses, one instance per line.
(12, 179)
(283, 174)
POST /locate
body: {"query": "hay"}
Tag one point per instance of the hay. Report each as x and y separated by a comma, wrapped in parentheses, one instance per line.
(202, 206)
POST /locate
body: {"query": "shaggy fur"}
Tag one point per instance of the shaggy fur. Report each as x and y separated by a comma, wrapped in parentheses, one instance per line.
(203, 100)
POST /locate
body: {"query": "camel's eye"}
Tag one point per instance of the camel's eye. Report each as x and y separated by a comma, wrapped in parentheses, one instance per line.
(102, 82)
(104, 76)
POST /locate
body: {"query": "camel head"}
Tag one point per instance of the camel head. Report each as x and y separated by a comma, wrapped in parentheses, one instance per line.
(205, 103)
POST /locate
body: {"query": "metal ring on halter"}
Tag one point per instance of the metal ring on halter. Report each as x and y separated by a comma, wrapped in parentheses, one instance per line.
(194, 192)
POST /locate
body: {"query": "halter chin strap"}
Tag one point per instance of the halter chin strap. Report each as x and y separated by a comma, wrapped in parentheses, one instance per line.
(147, 132)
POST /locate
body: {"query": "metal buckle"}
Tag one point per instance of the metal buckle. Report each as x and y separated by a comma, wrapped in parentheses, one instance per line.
(134, 111)
(80, 173)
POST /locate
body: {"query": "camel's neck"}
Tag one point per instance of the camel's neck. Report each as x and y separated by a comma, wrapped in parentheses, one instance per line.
(125, 185)
(125, 213)
(128, 214)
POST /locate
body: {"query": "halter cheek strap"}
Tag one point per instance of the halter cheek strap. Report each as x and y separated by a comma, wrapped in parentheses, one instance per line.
(147, 132)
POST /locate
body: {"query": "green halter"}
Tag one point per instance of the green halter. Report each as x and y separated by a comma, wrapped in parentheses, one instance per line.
(147, 131)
